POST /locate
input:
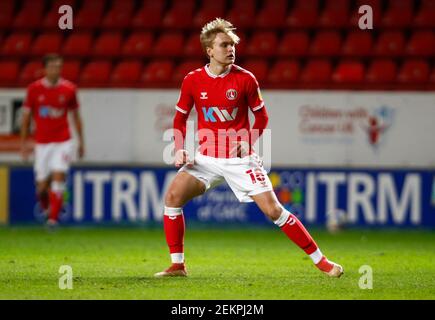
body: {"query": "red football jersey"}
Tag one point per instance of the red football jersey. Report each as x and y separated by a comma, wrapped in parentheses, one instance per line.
(49, 105)
(222, 103)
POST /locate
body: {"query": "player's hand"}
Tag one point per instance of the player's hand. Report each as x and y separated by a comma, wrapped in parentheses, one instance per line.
(25, 151)
(240, 149)
(182, 158)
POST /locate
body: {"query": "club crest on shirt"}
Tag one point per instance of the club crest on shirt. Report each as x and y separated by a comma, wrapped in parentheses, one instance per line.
(231, 94)
(61, 99)
(41, 98)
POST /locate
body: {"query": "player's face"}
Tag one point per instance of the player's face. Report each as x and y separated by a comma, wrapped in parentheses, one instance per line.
(53, 69)
(224, 50)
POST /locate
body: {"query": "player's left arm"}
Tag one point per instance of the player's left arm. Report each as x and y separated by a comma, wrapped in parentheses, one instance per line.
(78, 124)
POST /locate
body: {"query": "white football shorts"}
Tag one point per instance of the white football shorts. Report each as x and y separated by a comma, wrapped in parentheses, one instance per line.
(246, 176)
(52, 157)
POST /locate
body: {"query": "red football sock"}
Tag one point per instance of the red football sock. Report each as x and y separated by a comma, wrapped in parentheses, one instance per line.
(296, 231)
(43, 200)
(173, 224)
(56, 202)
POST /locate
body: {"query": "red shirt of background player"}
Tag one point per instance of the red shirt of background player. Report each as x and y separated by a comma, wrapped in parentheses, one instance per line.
(49, 105)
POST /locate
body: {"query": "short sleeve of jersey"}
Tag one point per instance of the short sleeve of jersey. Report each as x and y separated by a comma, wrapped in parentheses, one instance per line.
(74, 104)
(185, 101)
(29, 100)
(255, 100)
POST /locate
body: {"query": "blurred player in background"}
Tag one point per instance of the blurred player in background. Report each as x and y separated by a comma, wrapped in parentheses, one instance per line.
(223, 93)
(49, 100)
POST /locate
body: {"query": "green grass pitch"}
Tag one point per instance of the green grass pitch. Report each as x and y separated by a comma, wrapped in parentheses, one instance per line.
(255, 263)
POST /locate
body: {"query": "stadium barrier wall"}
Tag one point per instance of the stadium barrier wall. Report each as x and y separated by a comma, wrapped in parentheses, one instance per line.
(333, 128)
(134, 195)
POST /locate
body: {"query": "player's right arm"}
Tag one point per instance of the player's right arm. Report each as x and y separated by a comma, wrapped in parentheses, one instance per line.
(182, 111)
(25, 125)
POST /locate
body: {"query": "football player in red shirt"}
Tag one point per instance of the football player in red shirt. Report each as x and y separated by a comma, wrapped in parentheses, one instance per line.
(48, 101)
(223, 94)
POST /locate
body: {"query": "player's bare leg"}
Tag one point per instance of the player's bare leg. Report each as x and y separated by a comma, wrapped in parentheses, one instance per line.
(294, 229)
(57, 188)
(182, 189)
(42, 194)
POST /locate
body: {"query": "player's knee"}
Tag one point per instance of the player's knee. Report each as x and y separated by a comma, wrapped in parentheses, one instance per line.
(173, 199)
(274, 212)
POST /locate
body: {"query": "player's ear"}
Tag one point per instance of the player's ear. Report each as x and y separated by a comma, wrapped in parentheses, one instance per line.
(209, 52)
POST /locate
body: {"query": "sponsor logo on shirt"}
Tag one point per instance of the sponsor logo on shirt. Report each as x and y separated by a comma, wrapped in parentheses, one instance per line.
(213, 114)
(203, 96)
(50, 112)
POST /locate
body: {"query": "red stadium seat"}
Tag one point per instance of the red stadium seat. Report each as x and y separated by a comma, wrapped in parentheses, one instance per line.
(77, 44)
(422, 43)
(138, 44)
(358, 44)
(272, 14)
(9, 72)
(150, 14)
(242, 13)
(127, 5)
(71, 70)
(6, 13)
(17, 44)
(119, 15)
(47, 43)
(28, 17)
(399, 14)
(414, 72)
(335, 14)
(32, 71)
(262, 44)
(326, 43)
(376, 6)
(90, 14)
(169, 45)
(180, 15)
(425, 17)
(294, 44)
(317, 72)
(95, 74)
(108, 45)
(284, 72)
(184, 68)
(193, 47)
(209, 10)
(390, 43)
(259, 67)
(158, 72)
(381, 72)
(126, 73)
(304, 14)
(348, 72)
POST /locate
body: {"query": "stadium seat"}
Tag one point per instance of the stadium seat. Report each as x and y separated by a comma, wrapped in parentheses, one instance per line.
(71, 70)
(108, 44)
(414, 72)
(390, 43)
(357, 44)
(9, 72)
(304, 14)
(326, 43)
(294, 44)
(242, 45)
(149, 15)
(77, 45)
(398, 15)
(138, 44)
(126, 73)
(425, 17)
(242, 13)
(95, 74)
(89, 15)
(316, 72)
(127, 5)
(421, 44)
(158, 73)
(47, 43)
(193, 48)
(262, 44)
(348, 72)
(17, 44)
(272, 14)
(184, 68)
(29, 17)
(355, 16)
(284, 72)
(169, 45)
(335, 14)
(259, 67)
(180, 14)
(382, 71)
(209, 10)
(31, 71)
(119, 16)
(6, 13)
